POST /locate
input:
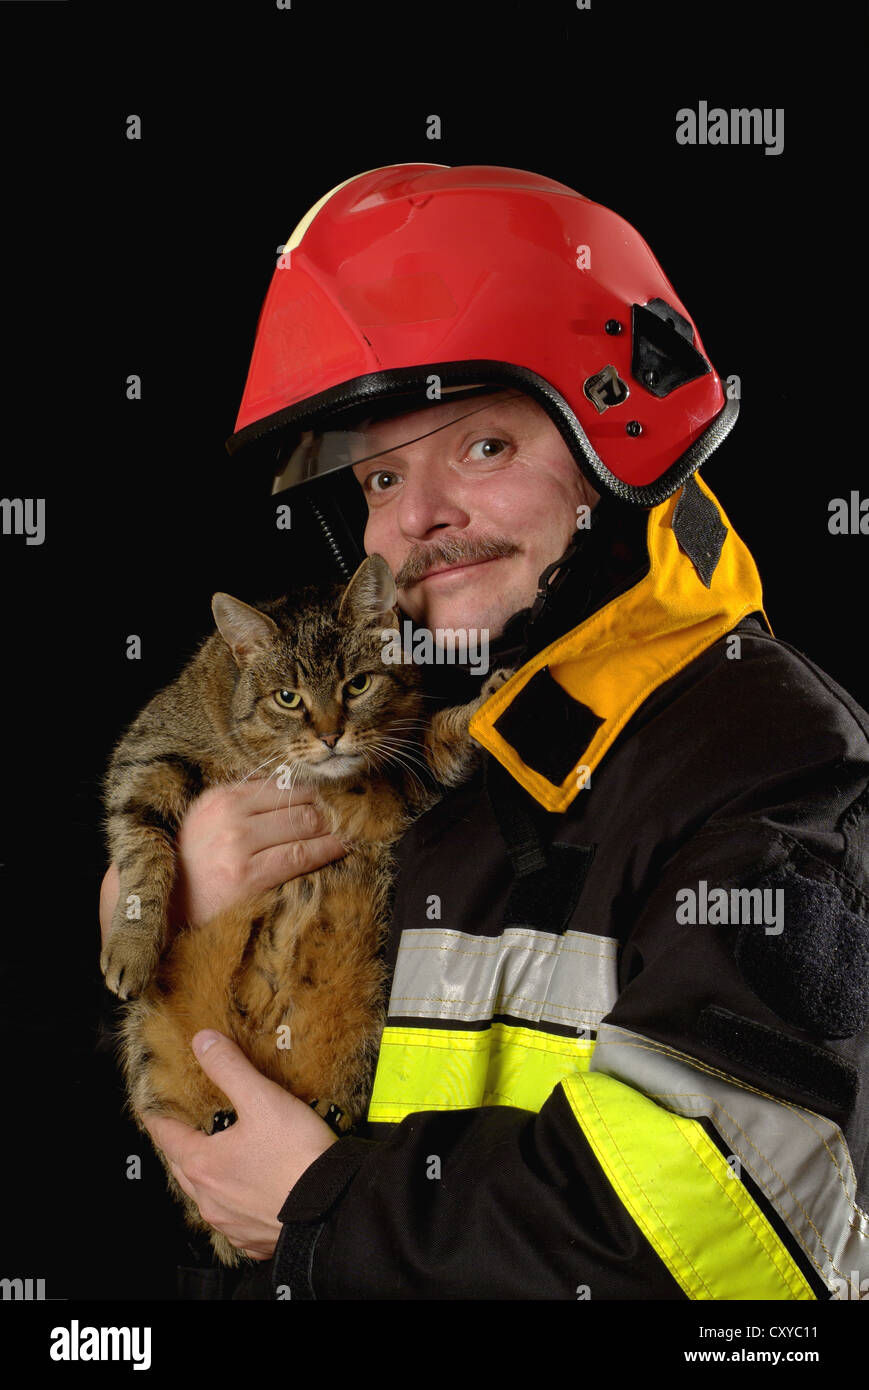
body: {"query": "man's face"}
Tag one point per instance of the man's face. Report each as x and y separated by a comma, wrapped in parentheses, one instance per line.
(486, 498)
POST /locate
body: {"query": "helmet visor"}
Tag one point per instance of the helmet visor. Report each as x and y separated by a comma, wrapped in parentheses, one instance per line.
(349, 437)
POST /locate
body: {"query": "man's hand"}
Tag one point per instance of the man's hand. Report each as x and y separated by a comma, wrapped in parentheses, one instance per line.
(233, 843)
(240, 1177)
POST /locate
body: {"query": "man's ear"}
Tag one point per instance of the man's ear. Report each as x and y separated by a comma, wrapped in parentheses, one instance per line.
(371, 596)
(245, 630)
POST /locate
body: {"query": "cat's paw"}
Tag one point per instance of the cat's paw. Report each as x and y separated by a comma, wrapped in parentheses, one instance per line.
(129, 960)
(495, 681)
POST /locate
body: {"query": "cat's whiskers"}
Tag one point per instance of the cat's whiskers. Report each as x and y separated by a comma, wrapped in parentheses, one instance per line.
(399, 760)
(404, 743)
(400, 749)
(407, 759)
(248, 775)
(294, 767)
(229, 781)
(379, 762)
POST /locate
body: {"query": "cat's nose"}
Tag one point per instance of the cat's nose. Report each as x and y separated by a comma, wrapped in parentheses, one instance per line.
(330, 739)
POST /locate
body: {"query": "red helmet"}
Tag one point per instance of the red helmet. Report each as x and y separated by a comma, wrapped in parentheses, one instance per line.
(417, 278)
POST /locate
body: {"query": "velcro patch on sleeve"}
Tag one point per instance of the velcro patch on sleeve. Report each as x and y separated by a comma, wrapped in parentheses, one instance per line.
(772, 1053)
(813, 970)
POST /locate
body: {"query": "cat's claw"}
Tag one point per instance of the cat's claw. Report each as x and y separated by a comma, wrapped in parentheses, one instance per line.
(128, 963)
(222, 1119)
(495, 681)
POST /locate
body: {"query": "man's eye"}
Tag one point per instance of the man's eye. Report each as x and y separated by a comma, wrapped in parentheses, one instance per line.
(380, 481)
(485, 443)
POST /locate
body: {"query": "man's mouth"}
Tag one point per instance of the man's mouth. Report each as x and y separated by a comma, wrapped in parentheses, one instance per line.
(454, 569)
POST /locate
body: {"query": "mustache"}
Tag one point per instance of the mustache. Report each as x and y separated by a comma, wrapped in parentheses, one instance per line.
(451, 552)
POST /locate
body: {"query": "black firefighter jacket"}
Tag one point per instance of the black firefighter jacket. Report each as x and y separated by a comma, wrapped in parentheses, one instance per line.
(626, 1048)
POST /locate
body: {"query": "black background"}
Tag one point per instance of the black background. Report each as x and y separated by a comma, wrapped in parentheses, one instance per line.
(154, 256)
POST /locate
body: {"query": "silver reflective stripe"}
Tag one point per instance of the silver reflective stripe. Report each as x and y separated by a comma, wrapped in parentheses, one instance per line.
(798, 1159)
(569, 979)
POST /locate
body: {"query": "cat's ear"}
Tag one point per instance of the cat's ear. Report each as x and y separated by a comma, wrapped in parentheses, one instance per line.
(245, 630)
(371, 595)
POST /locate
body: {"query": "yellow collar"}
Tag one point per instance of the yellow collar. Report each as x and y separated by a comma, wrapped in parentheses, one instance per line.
(615, 659)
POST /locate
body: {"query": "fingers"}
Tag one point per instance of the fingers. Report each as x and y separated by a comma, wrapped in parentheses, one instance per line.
(279, 818)
(172, 1136)
(273, 866)
(301, 822)
(264, 814)
(238, 840)
(229, 1068)
(264, 794)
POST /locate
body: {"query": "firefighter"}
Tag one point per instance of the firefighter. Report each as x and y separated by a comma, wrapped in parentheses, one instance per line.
(627, 1015)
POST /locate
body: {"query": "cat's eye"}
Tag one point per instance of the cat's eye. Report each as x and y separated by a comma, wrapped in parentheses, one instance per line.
(357, 684)
(288, 699)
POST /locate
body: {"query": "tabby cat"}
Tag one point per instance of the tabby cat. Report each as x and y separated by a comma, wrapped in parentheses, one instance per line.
(295, 687)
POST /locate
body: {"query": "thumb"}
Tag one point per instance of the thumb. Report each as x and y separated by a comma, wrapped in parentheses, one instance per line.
(224, 1062)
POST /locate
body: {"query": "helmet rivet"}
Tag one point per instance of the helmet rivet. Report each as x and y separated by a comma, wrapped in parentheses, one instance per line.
(634, 427)
(613, 326)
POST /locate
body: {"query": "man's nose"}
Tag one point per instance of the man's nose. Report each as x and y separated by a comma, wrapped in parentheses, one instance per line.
(428, 502)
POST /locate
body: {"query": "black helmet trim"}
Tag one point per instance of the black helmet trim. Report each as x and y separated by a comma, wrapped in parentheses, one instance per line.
(264, 437)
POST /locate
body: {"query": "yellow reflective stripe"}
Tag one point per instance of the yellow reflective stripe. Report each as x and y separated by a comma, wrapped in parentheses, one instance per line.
(694, 1211)
(525, 1066)
(426, 1069)
(799, 1159)
(453, 1069)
